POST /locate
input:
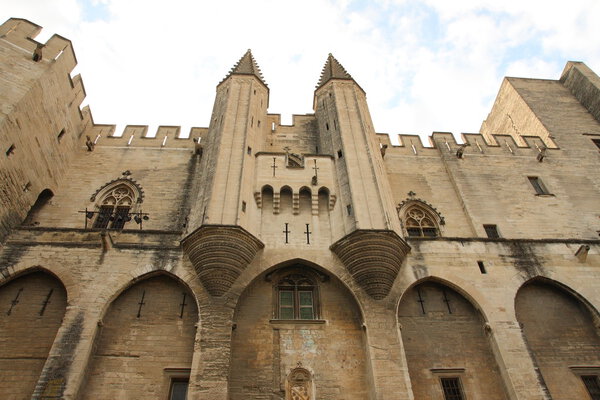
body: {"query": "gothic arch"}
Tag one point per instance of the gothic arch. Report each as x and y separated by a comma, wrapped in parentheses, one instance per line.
(463, 289)
(562, 332)
(34, 303)
(419, 218)
(156, 305)
(116, 201)
(282, 343)
(446, 338)
(132, 184)
(140, 276)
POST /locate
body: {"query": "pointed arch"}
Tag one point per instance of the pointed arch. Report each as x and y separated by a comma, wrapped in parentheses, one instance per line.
(562, 332)
(34, 304)
(446, 343)
(116, 202)
(301, 340)
(157, 306)
(419, 218)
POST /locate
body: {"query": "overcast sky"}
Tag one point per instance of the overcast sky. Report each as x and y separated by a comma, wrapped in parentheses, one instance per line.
(430, 65)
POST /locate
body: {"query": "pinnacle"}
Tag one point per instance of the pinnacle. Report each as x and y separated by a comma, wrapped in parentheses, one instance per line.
(333, 70)
(247, 66)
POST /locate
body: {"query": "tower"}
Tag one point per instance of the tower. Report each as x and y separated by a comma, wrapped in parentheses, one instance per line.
(223, 239)
(368, 241)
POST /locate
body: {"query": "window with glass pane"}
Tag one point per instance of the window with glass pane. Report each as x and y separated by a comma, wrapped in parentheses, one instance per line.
(306, 304)
(296, 298)
(178, 389)
(286, 304)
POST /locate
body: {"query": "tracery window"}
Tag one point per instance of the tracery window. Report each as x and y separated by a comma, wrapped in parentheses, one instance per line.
(418, 222)
(296, 298)
(114, 208)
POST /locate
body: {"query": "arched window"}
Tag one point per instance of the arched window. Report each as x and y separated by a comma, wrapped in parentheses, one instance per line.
(419, 223)
(419, 219)
(115, 206)
(296, 297)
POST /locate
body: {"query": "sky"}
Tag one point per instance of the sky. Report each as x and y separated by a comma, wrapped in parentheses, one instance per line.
(426, 65)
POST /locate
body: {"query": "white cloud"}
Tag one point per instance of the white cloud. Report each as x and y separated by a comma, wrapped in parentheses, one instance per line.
(425, 65)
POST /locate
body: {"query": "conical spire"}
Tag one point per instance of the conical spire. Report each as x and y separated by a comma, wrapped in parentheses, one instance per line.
(247, 66)
(333, 70)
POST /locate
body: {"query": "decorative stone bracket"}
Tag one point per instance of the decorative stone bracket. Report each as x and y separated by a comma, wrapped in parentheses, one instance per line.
(373, 258)
(219, 254)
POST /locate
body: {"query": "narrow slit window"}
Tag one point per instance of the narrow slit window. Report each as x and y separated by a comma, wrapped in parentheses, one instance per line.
(10, 151)
(481, 267)
(596, 142)
(243, 206)
(340, 154)
(249, 150)
(452, 389)
(349, 209)
(60, 135)
(538, 185)
(491, 231)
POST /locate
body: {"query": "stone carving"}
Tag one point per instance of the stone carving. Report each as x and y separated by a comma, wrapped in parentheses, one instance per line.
(219, 255)
(299, 385)
(373, 258)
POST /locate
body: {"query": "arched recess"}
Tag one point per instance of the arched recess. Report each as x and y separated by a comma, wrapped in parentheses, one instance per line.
(33, 306)
(267, 199)
(268, 343)
(42, 201)
(446, 345)
(323, 200)
(305, 200)
(562, 335)
(145, 346)
(285, 199)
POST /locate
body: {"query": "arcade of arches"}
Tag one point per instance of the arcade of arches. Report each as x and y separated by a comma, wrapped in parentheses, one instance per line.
(299, 328)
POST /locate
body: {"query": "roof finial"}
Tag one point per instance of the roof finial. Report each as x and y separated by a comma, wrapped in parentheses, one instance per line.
(333, 70)
(247, 66)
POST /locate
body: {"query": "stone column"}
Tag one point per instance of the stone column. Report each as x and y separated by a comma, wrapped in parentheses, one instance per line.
(388, 367)
(522, 379)
(210, 372)
(65, 368)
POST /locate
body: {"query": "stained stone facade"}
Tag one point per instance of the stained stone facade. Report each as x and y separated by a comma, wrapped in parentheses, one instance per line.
(255, 260)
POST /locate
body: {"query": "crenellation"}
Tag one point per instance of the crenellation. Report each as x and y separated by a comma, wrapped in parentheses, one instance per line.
(255, 260)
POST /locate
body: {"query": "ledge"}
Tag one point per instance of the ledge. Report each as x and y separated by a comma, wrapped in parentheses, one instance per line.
(502, 240)
(298, 321)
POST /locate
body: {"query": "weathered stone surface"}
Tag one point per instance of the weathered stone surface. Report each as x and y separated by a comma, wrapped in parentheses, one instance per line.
(217, 216)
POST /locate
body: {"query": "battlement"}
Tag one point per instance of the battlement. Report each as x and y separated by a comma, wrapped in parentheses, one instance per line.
(21, 33)
(473, 143)
(135, 136)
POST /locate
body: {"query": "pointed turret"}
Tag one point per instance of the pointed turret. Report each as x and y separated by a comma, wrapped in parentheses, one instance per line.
(333, 70)
(247, 66)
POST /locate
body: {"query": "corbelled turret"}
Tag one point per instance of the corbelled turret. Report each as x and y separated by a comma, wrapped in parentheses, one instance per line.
(224, 237)
(368, 241)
